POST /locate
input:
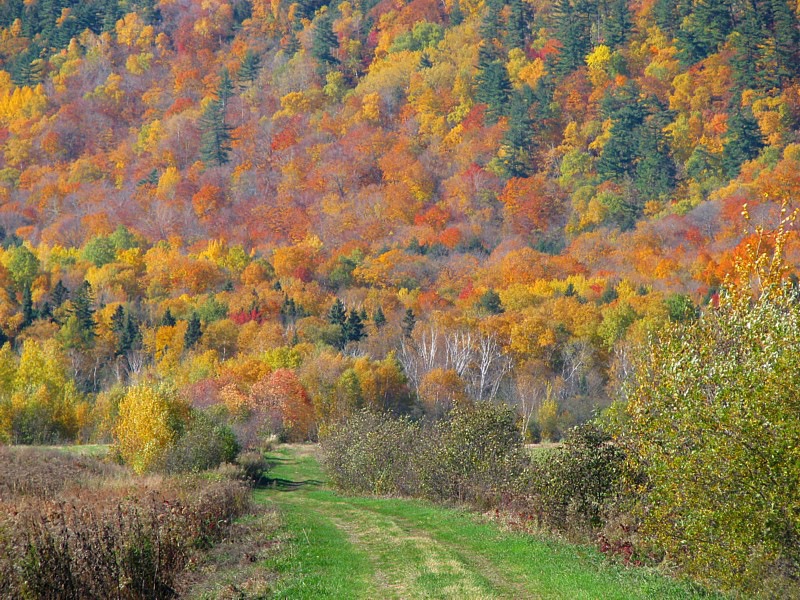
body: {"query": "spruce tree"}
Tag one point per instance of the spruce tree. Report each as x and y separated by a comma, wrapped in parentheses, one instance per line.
(28, 312)
(168, 320)
(323, 44)
(193, 332)
(59, 294)
(518, 24)
(216, 138)
(354, 328)
(493, 83)
(743, 141)
(618, 24)
(572, 30)
(379, 318)
(225, 89)
(515, 147)
(337, 315)
(118, 320)
(248, 70)
(83, 311)
(409, 322)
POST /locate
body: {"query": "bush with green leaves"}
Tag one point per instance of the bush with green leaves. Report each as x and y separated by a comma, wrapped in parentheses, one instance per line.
(206, 443)
(712, 420)
(372, 453)
(576, 486)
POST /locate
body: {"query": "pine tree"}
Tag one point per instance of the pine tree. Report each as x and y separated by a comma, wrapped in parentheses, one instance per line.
(83, 311)
(518, 24)
(409, 322)
(216, 138)
(618, 24)
(59, 294)
(292, 46)
(118, 320)
(28, 312)
(492, 82)
(354, 328)
(572, 30)
(516, 144)
(786, 39)
(193, 332)
(168, 320)
(425, 61)
(744, 141)
(225, 89)
(456, 14)
(248, 70)
(337, 315)
(379, 318)
(323, 44)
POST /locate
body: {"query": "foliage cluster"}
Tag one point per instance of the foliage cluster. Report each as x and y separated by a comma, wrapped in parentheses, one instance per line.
(120, 537)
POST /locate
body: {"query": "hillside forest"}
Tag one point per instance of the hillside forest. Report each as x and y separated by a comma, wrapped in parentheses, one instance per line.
(268, 216)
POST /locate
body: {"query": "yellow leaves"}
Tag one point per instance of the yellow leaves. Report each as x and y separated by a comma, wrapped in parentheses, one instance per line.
(111, 89)
(133, 32)
(295, 103)
(140, 63)
(149, 136)
(145, 426)
(167, 183)
(22, 103)
(371, 107)
(599, 63)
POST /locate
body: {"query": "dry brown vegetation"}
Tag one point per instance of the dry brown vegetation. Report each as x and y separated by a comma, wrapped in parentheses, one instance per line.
(78, 527)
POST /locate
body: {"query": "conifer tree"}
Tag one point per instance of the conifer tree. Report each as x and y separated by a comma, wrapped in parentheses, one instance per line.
(518, 24)
(323, 44)
(409, 322)
(216, 138)
(168, 320)
(337, 315)
(355, 327)
(248, 70)
(572, 30)
(515, 147)
(193, 332)
(618, 23)
(379, 318)
(28, 312)
(59, 294)
(493, 83)
(83, 311)
(743, 140)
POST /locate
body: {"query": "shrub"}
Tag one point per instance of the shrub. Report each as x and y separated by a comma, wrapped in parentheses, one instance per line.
(253, 466)
(713, 422)
(111, 543)
(574, 486)
(371, 453)
(207, 443)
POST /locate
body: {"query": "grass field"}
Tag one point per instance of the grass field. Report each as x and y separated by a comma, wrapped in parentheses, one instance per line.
(363, 547)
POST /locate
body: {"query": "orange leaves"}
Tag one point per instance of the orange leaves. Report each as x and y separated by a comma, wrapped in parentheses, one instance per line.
(208, 200)
(531, 204)
(284, 392)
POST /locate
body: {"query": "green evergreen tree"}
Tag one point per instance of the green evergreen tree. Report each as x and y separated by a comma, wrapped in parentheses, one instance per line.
(409, 322)
(705, 29)
(292, 46)
(168, 320)
(216, 138)
(456, 14)
(59, 294)
(518, 24)
(379, 318)
(28, 312)
(337, 315)
(743, 141)
(627, 114)
(617, 25)
(193, 332)
(83, 311)
(323, 44)
(354, 328)
(425, 61)
(225, 89)
(118, 320)
(655, 169)
(248, 70)
(515, 154)
(572, 30)
(786, 37)
(492, 82)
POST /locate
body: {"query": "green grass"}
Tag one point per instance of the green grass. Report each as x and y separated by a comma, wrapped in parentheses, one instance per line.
(96, 450)
(366, 547)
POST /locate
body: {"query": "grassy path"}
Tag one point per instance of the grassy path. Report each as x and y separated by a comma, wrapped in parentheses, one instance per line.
(359, 547)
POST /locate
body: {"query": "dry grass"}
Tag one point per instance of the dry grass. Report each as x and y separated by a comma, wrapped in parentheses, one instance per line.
(75, 527)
